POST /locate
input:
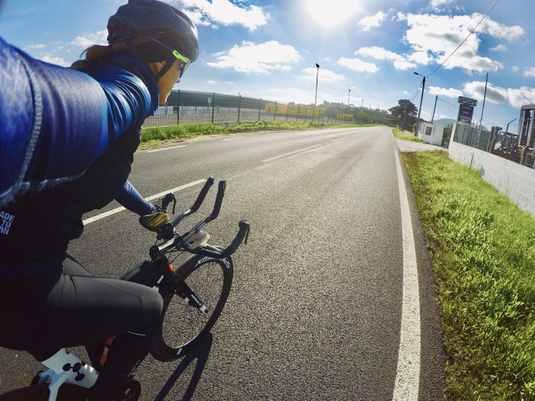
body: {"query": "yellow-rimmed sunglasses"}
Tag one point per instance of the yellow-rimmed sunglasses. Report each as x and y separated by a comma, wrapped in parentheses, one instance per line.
(185, 61)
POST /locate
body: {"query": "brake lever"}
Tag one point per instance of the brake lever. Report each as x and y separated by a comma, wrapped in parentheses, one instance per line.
(167, 199)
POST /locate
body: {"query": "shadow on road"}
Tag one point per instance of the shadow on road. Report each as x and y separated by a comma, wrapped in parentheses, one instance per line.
(200, 355)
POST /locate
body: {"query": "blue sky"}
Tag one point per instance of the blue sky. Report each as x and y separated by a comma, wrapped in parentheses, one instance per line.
(268, 49)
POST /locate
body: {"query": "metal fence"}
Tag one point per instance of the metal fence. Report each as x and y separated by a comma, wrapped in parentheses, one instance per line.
(204, 107)
(496, 142)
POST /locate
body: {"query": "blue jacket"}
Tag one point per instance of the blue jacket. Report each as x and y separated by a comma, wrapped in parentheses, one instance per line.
(67, 147)
(55, 122)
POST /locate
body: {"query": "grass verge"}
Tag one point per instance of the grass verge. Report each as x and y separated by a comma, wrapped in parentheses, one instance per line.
(185, 131)
(405, 135)
(483, 249)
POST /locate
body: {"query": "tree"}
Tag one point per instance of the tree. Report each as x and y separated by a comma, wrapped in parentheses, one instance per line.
(405, 114)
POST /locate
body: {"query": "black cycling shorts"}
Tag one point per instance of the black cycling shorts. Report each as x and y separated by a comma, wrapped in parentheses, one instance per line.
(44, 313)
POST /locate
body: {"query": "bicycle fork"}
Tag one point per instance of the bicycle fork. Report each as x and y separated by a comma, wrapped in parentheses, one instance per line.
(173, 283)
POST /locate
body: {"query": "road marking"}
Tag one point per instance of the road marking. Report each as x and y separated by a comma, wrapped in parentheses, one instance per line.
(407, 383)
(163, 149)
(289, 154)
(309, 151)
(149, 199)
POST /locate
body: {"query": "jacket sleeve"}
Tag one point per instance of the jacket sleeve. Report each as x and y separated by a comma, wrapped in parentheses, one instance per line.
(131, 199)
(57, 121)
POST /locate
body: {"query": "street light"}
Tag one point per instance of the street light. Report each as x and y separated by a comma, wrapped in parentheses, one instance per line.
(508, 124)
(349, 97)
(317, 78)
(421, 101)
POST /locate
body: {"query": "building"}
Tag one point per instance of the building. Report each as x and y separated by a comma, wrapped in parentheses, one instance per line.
(526, 126)
(437, 133)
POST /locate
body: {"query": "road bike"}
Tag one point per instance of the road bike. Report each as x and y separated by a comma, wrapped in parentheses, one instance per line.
(194, 293)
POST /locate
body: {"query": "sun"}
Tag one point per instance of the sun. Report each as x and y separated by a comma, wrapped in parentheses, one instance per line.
(331, 13)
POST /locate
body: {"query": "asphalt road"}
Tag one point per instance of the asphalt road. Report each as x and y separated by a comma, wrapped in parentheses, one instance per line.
(315, 309)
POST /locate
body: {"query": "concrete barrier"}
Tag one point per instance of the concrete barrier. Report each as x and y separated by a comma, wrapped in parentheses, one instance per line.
(512, 179)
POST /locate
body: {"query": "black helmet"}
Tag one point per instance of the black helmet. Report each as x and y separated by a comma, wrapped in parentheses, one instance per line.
(155, 30)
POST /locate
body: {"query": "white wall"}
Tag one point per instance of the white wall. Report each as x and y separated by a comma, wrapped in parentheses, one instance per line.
(512, 179)
(422, 130)
(437, 131)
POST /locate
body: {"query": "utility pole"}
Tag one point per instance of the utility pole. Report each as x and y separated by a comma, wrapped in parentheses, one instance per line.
(484, 101)
(421, 102)
(434, 110)
(317, 80)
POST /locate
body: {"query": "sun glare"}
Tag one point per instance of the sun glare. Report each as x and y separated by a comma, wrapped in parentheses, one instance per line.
(331, 13)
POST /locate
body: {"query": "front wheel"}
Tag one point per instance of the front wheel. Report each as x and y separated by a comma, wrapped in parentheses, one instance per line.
(193, 306)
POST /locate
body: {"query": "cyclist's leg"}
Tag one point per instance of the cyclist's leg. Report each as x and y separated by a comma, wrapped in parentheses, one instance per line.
(81, 307)
(101, 307)
(43, 315)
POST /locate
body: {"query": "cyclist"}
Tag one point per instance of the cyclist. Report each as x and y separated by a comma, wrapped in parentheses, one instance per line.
(47, 300)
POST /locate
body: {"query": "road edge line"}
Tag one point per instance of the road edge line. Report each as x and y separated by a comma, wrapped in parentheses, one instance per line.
(407, 384)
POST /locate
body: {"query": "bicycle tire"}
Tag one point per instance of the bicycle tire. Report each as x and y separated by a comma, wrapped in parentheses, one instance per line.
(176, 337)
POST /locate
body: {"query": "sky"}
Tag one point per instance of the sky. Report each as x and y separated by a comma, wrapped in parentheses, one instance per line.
(268, 48)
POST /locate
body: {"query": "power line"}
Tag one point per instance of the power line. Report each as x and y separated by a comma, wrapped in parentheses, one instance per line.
(472, 31)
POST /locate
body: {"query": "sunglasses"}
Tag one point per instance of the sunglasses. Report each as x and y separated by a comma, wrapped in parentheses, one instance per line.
(184, 61)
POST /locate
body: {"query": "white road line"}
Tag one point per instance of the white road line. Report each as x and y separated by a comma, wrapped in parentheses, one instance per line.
(309, 151)
(289, 154)
(150, 198)
(407, 383)
(163, 149)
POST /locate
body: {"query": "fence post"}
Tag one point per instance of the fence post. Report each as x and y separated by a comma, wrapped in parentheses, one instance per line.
(239, 109)
(178, 110)
(213, 107)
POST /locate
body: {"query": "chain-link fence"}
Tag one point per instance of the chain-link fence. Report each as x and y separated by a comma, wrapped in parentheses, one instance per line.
(497, 142)
(202, 107)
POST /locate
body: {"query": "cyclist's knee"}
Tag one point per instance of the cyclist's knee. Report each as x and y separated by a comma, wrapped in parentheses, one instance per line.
(153, 308)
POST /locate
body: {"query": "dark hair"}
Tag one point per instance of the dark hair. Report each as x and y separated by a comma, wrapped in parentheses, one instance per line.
(98, 52)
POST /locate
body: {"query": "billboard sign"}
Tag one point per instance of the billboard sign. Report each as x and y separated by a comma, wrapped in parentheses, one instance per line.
(466, 109)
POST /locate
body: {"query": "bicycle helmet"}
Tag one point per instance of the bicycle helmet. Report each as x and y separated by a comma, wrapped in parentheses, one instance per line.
(155, 31)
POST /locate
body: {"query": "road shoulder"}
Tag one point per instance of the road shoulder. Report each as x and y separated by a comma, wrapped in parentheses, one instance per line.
(433, 358)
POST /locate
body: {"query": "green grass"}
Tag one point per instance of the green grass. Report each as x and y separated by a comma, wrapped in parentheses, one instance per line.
(405, 135)
(483, 250)
(185, 131)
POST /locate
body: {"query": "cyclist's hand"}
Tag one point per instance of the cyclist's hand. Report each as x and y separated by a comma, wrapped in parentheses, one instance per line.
(154, 221)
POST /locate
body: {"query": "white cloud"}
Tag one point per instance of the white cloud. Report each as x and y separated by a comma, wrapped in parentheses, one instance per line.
(257, 57)
(499, 48)
(446, 92)
(87, 40)
(357, 65)
(498, 30)
(225, 12)
(35, 46)
(372, 21)
(325, 75)
(54, 60)
(378, 53)
(516, 97)
(440, 3)
(433, 37)
(515, 68)
(530, 72)
(198, 17)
